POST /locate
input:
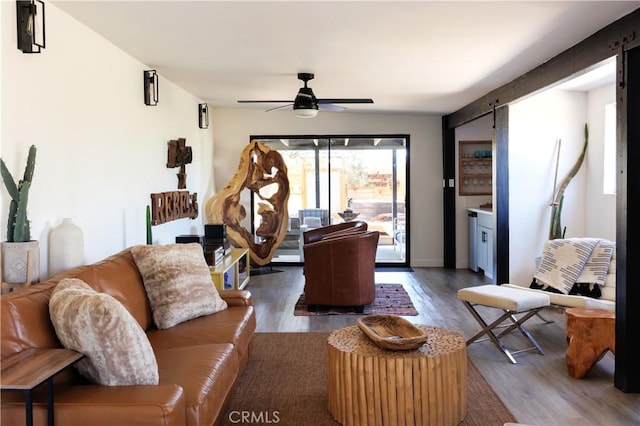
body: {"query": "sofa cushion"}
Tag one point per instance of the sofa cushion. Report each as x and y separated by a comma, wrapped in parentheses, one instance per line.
(117, 351)
(597, 265)
(562, 261)
(118, 276)
(97, 405)
(178, 282)
(206, 373)
(570, 301)
(234, 325)
(25, 320)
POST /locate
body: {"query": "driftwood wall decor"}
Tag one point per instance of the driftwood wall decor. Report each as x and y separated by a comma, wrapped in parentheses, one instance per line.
(264, 172)
(168, 206)
(179, 155)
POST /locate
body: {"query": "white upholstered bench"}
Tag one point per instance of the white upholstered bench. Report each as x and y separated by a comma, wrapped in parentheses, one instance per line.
(511, 301)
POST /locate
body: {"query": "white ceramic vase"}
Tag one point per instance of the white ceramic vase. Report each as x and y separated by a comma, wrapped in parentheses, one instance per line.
(66, 247)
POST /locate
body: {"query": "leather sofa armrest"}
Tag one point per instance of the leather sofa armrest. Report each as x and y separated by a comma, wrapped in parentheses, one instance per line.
(237, 297)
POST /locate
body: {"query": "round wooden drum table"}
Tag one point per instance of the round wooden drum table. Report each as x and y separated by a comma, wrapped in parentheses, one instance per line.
(372, 386)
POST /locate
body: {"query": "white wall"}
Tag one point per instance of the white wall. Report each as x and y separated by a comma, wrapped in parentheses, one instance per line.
(477, 130)
(233, 127)
(101, 151)
(535, 124)
(601, 208)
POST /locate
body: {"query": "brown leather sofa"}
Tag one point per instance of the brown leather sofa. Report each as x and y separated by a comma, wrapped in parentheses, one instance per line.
(339, 267)
(199, 360)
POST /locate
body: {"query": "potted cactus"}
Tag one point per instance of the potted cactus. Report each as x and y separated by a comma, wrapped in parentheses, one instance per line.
(20, 254)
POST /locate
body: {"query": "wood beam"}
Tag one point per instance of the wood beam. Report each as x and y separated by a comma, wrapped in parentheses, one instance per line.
(580, 57)
(627, 368)
(501, 195)
(449, 194)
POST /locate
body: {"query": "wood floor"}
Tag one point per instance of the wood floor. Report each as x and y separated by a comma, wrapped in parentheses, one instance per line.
(537, 389)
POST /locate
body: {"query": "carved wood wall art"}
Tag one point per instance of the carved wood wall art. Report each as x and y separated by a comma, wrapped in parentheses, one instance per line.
(263, 172)
(168, 206)
(179, 155)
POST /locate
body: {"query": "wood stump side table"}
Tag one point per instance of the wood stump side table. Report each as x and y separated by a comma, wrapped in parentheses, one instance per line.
(371, 386)
(590, 334)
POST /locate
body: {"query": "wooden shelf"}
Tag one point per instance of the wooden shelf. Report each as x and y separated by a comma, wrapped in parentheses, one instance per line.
(475, 168)
(232, 273)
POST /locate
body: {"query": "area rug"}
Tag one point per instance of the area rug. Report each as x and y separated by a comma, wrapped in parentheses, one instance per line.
(391, 299)
(285, 383)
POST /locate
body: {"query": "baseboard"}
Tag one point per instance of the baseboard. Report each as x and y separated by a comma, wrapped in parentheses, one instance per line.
(427, 263)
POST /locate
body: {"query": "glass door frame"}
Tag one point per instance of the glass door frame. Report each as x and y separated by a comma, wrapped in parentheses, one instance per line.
(405, 262)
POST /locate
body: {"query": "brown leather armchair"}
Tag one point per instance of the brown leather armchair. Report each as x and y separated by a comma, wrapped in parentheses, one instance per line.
(317, 234)
(339, 270)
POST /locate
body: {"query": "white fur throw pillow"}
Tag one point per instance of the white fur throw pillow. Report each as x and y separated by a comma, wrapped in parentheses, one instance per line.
(178, 282)
(117, 351)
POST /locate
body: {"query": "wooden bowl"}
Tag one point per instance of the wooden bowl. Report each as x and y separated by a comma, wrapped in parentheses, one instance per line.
(348, 216)
(392, 332)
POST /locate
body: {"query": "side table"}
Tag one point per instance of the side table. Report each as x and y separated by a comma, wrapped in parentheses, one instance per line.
(590, 334)
(26, 370)
(368, 385)
(236, 266)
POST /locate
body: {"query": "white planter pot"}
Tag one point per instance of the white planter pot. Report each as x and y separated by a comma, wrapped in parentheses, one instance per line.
(14, 262)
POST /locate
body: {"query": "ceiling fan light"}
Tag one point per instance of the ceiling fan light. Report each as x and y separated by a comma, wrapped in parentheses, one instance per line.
(306, 112)
(305, 105)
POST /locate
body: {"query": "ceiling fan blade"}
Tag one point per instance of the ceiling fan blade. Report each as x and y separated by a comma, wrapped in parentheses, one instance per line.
(264, 102)
(345, 101)
(306, 104)
(331, 107)
(280, 107)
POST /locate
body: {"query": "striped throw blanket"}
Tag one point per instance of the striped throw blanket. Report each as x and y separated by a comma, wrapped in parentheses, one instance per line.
(566, 262)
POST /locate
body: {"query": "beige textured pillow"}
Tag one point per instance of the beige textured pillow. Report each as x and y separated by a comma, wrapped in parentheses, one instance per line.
(117, 351)
(178, 282)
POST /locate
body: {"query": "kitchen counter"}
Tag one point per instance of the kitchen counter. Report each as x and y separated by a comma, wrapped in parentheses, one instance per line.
(480, 211)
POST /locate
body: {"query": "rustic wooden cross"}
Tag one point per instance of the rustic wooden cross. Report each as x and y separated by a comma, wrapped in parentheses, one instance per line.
(179, 155)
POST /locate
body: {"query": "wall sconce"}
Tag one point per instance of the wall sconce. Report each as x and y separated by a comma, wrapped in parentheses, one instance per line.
(150, 87)
(203, 116)
(30, 23)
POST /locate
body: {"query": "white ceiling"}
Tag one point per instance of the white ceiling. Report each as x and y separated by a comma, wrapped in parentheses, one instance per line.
(416, 56)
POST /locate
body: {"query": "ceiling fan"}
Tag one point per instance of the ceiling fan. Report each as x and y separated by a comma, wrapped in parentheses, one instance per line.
(306, 105)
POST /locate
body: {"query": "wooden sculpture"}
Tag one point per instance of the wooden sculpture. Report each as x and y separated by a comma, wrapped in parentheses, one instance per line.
(262, 171)
(179, 155)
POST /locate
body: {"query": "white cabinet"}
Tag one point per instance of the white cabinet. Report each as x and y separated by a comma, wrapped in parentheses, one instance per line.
(483, 242)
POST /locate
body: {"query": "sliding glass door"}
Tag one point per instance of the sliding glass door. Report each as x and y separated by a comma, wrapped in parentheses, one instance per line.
(338, 178)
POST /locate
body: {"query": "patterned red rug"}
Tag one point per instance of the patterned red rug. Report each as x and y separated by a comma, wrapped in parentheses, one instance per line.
(391, 299)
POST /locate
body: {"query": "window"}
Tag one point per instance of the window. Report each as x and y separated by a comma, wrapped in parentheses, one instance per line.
(609, 168)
